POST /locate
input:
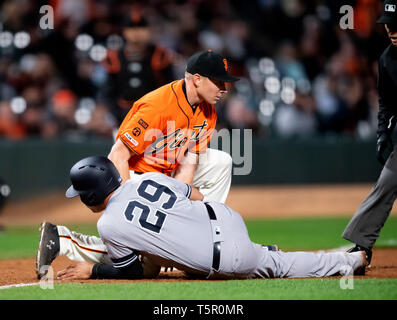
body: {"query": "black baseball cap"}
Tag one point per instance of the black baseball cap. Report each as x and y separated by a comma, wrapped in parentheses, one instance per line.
(211, 65)
(389, 14)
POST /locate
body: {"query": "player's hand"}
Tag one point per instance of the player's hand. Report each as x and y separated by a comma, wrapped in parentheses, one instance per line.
(383, 144)
(76, 271)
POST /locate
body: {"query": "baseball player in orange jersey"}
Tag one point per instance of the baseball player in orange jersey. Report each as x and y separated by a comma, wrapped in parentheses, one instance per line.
(166, 131)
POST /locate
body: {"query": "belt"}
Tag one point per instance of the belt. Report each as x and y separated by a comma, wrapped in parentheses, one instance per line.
(138, 172)
(216, 256)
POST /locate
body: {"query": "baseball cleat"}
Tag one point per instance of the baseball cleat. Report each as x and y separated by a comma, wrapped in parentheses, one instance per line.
(360, 248)
(271, 248)
(48, 248)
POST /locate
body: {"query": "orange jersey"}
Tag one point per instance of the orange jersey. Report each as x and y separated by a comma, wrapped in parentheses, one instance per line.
(161, 127)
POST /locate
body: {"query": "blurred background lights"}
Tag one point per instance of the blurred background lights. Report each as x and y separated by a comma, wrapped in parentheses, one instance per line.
(266, 107)
(5, 190)
(84, 42)
(114, 42)
(82, 116)
(135, 67)
(135, 82)
(272, 85)
(6, 38)
(21, 40)
(288, 83)
(87, 103)
(288, 95)
(98, 52)
(255, 75)
(18, 105)
(266, 66)
(27, 62)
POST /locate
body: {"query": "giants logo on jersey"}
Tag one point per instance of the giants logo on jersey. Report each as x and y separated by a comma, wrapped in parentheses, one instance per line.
(177, 138)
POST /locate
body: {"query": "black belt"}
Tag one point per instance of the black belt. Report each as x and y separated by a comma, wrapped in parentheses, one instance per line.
(216, 257)
(137, 172)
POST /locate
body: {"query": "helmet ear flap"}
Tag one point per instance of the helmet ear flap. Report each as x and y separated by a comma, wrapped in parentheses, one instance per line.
(88, 198)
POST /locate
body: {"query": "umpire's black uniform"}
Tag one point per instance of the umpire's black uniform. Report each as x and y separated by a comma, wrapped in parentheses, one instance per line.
(364, 228)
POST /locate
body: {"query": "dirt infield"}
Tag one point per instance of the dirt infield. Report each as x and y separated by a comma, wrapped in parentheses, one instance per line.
(18, 271)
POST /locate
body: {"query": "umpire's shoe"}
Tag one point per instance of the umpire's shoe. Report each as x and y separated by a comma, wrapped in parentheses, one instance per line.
(48, 248)
(368, 252)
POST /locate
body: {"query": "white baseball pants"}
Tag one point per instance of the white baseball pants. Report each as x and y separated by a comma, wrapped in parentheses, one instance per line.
(213, 178)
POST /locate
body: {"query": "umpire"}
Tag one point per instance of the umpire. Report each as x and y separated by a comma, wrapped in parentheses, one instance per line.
(364, 228)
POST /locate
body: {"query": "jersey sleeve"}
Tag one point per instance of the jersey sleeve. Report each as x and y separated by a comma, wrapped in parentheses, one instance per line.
(120, 255)
(141, 127)
(386, 89)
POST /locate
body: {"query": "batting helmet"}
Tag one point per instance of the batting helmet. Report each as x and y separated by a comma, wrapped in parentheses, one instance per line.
(93, 179)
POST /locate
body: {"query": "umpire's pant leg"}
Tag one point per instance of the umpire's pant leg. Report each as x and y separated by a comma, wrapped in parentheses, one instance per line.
(364, 228)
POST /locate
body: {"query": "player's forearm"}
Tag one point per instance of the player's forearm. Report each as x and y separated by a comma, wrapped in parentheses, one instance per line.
(107, 271)
(187, 168)
(120, 155)
(196, 194)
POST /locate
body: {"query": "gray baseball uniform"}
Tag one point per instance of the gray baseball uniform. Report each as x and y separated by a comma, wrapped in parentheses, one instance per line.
(153, 216)
(365, 226)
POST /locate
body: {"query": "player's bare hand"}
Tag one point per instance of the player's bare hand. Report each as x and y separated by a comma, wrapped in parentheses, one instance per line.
(76, 271)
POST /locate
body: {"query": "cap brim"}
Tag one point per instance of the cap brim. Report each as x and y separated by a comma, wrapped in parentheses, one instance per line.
(71, 192)
(386, 20)
(226, 78)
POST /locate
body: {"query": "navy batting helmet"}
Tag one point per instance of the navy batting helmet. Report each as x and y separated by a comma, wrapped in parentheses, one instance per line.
(93, 179)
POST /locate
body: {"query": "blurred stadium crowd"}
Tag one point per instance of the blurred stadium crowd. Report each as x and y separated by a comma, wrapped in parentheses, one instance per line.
(301, 73)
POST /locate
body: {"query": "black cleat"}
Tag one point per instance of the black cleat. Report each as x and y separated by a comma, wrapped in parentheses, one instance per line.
(48, 248)
(368, 252)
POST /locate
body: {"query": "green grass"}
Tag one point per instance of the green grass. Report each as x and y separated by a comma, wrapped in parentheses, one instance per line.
(312, 233)
(22, 242)
(277, 289)
(289, 234)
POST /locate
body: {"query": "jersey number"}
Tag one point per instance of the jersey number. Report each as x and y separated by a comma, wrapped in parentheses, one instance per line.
(159, 190)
